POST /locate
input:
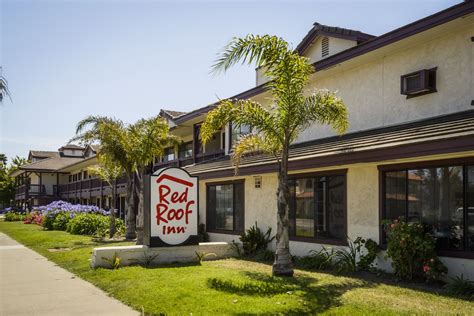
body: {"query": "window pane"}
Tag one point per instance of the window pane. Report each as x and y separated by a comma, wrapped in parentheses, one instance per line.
(224, 207)
(470, 207)
(395, 195)
(336, 207)
(169, 154)
(186, 150)
(436, 199)
(304, 217)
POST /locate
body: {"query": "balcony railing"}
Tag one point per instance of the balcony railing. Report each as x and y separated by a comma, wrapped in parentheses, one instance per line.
(88, 187)
(182, 162)
(26, 190)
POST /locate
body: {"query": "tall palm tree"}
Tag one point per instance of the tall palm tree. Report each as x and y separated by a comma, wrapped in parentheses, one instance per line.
(109, 172)
(148, 139)
(278, 125)
(113, 136)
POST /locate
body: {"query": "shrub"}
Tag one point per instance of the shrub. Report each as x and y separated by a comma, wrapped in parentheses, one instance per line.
(60, 221)
(89, 224)
(254, 240)
(461, 286)
(319, 260)
(48, 220)
(366, 260)
(12, 216)
(355, 258)
(34, 218)
(93, 225)
(412, 250)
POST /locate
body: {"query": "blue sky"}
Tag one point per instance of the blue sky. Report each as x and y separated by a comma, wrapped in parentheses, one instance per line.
(65, 59)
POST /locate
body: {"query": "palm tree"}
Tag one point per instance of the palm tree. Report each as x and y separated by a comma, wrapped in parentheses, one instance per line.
(109, 172)
(4, 91)
(277, 126)
(148, 139)
(113, 136)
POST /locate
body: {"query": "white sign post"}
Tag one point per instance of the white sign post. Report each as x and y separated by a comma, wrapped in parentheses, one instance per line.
(171, 214)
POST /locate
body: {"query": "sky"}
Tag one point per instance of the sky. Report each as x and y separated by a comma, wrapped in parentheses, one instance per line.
(67, 59)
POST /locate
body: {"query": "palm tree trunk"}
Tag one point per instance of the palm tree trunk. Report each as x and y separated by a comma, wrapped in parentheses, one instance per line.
(140, 219)
(283, 265)
(130, 206)
(112, 210)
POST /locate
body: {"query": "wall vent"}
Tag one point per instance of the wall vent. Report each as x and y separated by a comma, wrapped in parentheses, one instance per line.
(325, 47)
(258, 182)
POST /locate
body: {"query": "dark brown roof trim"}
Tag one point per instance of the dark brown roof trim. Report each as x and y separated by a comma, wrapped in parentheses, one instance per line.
(333, 151)
(403, 32)
(407, 151)
(243, 95)
(331, 31)
(172, 115)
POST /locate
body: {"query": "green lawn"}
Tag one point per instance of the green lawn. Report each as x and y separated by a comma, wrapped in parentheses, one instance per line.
(232, 286)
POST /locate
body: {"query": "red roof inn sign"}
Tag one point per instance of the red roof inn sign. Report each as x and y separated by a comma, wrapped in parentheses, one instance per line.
(171, 208)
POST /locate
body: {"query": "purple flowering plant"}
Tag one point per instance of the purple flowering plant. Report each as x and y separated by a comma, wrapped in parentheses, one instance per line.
(56, 207)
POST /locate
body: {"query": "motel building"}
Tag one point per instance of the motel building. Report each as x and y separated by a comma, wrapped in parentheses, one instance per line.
(409, 150)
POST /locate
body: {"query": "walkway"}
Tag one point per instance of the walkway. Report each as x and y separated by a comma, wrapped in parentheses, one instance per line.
(32, 285)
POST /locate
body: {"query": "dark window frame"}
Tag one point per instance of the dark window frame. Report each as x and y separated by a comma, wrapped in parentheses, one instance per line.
(236, 230)
(323, 240)
(464, 162)
(427, 83)
(183, 146)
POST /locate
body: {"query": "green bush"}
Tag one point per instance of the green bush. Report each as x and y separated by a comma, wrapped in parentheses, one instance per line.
(14, 216)
(93, 225)
(88, 224)
(319, 260)
(48, 221)
(461, 286)
(61, 220)
(254, 240)
(413, 251)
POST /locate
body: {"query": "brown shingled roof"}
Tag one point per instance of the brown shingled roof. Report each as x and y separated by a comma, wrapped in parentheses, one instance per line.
(51, 164)
(42, 154)
(449, 133)
(331, 31)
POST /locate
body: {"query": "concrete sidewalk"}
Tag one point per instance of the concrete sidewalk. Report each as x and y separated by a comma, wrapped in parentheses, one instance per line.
(32, 285)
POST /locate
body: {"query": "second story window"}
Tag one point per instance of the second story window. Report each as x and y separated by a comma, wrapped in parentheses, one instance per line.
(169, 154)
(238, 132)
(185, 150)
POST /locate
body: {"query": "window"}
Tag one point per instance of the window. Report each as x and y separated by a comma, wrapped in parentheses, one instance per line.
(70, 178)
(85, 175)
(238, 132)
(439, 196)
(324, 47)
(418, 83)
(185, 150)
(225, 207)
(169, 154)
(79, 176)
(318, 207)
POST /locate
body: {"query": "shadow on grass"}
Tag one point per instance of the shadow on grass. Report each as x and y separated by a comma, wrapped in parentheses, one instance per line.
(315, 297)
(381, 279)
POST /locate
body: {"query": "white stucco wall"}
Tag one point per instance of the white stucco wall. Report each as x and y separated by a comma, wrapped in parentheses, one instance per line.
(370, 88)
(362, 208)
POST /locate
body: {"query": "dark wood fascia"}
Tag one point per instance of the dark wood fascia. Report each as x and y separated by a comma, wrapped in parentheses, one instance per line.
(452, 145)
